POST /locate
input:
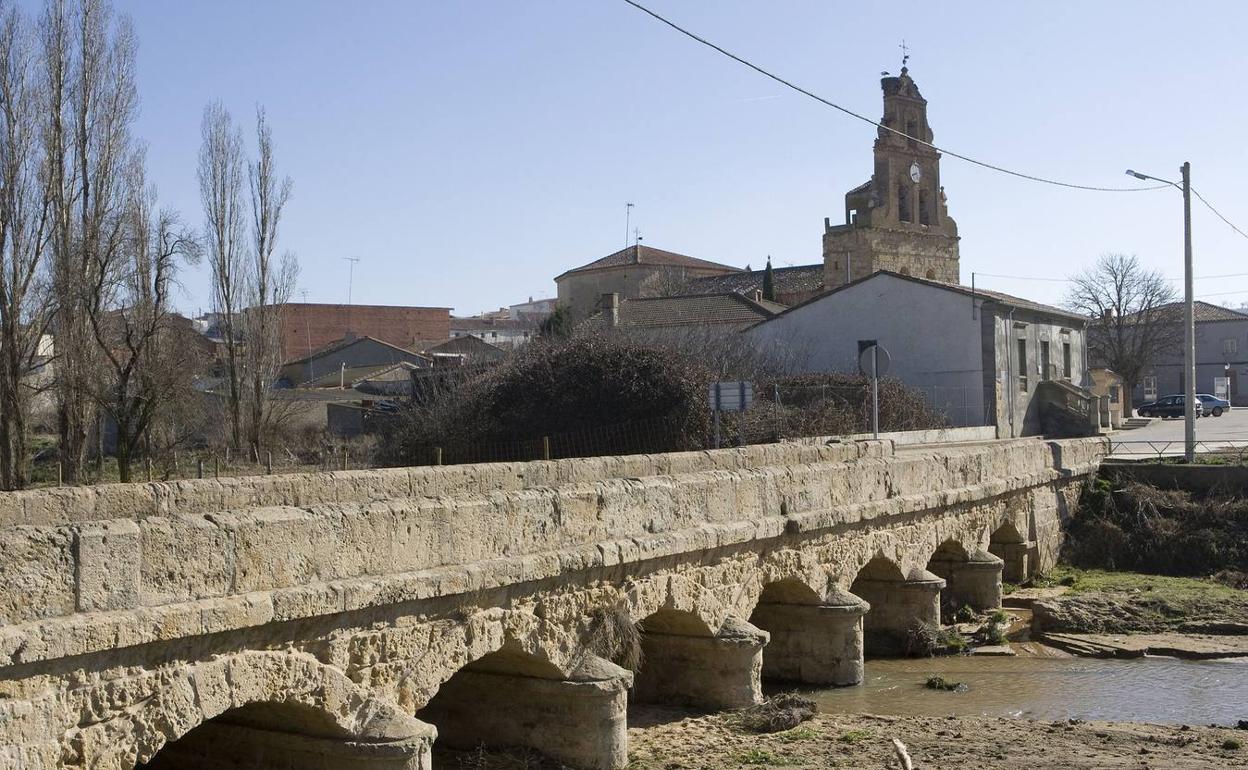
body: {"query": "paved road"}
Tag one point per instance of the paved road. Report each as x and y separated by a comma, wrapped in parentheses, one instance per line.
(1229, 430)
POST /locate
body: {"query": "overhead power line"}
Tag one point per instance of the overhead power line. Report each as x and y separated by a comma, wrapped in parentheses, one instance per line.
(1069, 280)
(865, 119)
(1218, 214)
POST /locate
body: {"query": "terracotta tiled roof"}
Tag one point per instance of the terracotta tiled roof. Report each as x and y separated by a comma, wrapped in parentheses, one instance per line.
(1205, 311)
(788, 280)
(646, 255)
(1000, 298)
(337, 345)
(728, 309)
(494, 324)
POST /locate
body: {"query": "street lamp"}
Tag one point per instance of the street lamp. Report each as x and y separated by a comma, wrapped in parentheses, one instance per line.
(1189, 320)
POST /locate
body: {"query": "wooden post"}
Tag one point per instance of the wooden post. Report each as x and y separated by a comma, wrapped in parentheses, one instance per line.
(216, 464)
(60, 472)
(268, 462)
(199, 467)
(545, 447)
(437, 455)
(148, 460)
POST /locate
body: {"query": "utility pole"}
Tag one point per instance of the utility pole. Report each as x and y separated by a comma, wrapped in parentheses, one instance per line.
(1189, 314)
(1189, 323)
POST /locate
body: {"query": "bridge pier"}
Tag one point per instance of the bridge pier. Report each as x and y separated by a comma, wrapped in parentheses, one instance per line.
(818, 644)
(723, 671)
(1018, 553)
(974, 580)
(897, 606)
(579, 721)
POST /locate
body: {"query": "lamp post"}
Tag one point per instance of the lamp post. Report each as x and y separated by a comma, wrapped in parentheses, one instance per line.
(1189, 319)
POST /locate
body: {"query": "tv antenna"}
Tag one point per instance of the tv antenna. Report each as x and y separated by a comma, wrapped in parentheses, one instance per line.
(350, 276)
(628, 212)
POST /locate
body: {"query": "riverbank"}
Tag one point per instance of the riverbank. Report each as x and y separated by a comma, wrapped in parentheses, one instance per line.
(667, 739)
(1099, 613)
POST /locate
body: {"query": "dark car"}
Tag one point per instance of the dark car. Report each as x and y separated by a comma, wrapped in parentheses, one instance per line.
(1170, 406)
(1214, 405)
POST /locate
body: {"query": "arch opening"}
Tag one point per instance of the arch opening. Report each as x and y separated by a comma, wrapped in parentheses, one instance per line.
(900, 605)
(972, 578)
(278, 735)
(509, 699)
(814, 639)
(684, 662)
(1009, 545)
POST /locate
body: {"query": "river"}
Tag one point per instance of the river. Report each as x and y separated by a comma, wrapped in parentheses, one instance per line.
(1165, 690)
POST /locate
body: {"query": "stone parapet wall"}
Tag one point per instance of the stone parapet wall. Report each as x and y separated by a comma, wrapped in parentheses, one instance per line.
(193, 574)
(71, 505)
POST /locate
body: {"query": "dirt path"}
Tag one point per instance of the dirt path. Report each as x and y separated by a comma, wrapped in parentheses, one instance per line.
(665, 739)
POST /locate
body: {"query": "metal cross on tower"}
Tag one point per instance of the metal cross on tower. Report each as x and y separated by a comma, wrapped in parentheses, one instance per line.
(905, 53)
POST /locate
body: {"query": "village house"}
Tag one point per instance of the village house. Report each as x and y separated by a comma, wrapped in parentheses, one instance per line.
(1221, 352)
(980, 357)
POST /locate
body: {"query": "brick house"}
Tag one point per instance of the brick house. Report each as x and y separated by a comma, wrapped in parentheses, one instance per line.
(307, 327)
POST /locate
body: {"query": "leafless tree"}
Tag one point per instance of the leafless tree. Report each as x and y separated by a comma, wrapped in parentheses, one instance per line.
(221, 171)
(270, 283)
(1135, 317)
(128, 308)
(24, 313)
(88, 57)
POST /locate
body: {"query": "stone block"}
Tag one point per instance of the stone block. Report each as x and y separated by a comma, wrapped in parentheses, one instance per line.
(109, 558)
(37, 572)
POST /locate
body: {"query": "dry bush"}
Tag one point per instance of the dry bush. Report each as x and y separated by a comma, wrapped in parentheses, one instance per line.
(614, 636)
(778, 713)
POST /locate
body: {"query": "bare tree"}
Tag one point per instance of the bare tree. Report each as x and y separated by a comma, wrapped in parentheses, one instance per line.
(88, 57)
(1135, 317)
(24, 313)
(221, 169)
(128, 308)
(270, 283)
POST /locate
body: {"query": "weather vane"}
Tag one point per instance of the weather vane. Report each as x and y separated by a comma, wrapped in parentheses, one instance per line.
(905, 53)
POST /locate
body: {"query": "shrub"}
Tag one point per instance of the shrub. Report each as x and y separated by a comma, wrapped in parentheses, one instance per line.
(778, 713)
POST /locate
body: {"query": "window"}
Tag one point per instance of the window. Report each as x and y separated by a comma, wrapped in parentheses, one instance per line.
(1230, 346)
(903, 202)
(1066, 360)
(925, 208)
(1022, 365)
(1044, 359)
(1113, 394)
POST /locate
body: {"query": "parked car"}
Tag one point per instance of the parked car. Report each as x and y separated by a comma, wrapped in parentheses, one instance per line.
(1214, 405)
(1169, 406)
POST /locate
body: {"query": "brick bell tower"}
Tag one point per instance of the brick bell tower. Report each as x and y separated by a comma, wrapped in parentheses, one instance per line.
(898, 219)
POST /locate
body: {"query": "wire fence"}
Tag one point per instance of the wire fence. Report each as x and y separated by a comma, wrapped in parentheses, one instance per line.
(777, 414)
(1220, 452)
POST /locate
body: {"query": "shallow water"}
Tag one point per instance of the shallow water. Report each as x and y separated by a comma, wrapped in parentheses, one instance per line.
(1164, 690)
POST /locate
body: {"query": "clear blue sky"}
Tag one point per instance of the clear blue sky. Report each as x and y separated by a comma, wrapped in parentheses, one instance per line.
(468, 152)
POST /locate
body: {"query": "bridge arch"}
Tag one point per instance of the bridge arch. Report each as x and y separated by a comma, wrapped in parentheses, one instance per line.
(676, 596)
(259, 697)
(972, 576)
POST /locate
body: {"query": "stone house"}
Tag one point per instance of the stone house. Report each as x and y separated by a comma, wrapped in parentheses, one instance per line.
(977, 355)
(702, 313)
(632, 272)
(345, 361)
(1221, 351)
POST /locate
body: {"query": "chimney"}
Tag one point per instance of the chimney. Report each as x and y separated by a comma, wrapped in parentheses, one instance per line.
(758, 295)
(611, 305)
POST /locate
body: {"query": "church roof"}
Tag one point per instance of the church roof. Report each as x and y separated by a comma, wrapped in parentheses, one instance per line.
(787, 280)
(729, 309)
(1000, 298)
(646, 255)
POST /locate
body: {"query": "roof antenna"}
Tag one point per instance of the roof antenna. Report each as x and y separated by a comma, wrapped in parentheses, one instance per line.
(628, 212)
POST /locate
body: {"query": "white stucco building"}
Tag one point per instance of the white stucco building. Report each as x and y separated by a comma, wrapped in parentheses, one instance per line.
(978, 355)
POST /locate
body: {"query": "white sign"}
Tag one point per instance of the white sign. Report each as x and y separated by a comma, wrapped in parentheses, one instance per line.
(731, 396)
(1221, 387)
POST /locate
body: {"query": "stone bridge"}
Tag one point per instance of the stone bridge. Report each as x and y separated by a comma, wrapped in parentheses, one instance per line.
(343, 620)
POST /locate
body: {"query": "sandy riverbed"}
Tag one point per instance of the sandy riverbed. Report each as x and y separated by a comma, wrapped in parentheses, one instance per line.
(665, 739)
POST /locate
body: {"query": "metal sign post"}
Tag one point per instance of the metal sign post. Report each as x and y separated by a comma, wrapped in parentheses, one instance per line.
(873, 361)
(729, 397)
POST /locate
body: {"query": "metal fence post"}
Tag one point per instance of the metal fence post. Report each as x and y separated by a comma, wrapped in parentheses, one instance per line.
(199, 467)
(545, 447)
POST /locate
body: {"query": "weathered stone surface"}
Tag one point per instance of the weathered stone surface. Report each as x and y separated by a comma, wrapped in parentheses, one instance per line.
(354, 598)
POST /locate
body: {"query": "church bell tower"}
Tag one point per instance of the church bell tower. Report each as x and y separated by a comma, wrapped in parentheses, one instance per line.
(898, 219)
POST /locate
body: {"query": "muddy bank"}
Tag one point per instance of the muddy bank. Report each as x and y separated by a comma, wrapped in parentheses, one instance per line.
(672, 740)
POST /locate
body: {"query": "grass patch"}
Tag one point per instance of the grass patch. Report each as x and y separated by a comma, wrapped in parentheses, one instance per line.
(764, 757)
(1231, 744)
(797, 734)
(1180, 588)
(855, 736)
